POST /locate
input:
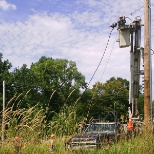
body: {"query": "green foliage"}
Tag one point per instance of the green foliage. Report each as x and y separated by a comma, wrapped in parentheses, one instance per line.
(110, 96)
(4, 75)
(52, 89)
(55, 81)
(64, 123)
(140, 145)
(4, 68)
(51, 83)
(24, 122)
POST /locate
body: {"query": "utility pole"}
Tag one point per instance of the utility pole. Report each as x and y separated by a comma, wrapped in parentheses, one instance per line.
(3, 113)
(147, 64)
(130, 35)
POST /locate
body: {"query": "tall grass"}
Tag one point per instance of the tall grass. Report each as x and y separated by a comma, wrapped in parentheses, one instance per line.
(30, 125)
(141, 145)
(64, 123)
(24, 123)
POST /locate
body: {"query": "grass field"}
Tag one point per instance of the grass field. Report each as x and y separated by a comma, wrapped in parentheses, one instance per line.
(31, 127)
(142, 145)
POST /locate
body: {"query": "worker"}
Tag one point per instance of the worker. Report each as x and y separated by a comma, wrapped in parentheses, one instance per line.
(51, 143)
(17, 145)
(130, 126)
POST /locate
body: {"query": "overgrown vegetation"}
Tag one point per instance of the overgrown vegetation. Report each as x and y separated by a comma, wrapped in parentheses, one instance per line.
(31, 126)
(55, 85)
(140, 145)
(52, 97)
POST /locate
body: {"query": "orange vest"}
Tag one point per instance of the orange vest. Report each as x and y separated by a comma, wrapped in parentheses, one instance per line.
(130, 126)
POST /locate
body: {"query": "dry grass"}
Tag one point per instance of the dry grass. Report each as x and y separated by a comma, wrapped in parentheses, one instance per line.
(142, 145)
(30, 125)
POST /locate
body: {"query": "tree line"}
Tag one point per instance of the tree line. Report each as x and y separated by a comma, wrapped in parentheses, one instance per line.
(55, 83)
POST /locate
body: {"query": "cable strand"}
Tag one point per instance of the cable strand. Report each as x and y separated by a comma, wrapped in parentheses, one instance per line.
(101, 57)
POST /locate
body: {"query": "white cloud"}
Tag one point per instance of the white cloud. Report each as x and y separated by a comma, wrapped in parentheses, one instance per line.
(4, 5)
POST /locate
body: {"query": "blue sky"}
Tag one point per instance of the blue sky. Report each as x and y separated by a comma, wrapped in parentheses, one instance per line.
(76, 30)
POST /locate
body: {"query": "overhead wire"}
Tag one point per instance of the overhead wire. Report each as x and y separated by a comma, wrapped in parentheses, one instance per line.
(25, 45)
(109, 57)
(101, 58)
(99, 63)
(38, 20)
(114, 44)
(137, 10)
(41, 31)
(64, 43)
(24, 24)
(95, 70)
(89, 106)
(111, 50)
(21, 20)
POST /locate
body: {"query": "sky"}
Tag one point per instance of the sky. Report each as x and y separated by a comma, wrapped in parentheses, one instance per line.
(77, 30)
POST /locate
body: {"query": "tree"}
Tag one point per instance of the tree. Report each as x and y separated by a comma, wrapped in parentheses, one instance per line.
(110, 96)
(4, 75)
(22, 82)
(50, 83)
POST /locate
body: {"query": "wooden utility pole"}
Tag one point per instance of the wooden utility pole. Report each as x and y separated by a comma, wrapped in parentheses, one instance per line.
(3, 115)
(147, 63)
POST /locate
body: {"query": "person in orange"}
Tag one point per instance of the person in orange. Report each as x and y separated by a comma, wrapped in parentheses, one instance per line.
(17, 145)
(51, 143)
(130, 126)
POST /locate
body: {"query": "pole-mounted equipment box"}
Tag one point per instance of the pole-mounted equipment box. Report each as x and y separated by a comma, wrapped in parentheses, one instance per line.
(124, 38)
